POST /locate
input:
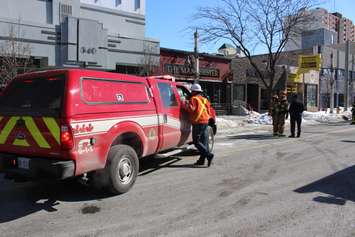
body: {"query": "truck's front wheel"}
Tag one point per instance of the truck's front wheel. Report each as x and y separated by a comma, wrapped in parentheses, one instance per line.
(122, 168)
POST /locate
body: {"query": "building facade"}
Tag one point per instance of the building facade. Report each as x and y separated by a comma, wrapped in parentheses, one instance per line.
(250, 92)
(323, 28)
(313, 86)
(215, 74)
(101, 34)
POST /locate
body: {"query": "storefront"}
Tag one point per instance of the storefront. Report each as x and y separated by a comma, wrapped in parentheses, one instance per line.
(306, 87)
(215, 74)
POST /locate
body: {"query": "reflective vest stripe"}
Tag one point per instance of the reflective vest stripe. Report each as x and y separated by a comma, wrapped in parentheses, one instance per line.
(7, 129)
(35, 132)
(53, 127)
(203, 107)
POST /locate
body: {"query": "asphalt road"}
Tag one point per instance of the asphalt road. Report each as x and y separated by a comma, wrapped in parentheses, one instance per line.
(257, 186)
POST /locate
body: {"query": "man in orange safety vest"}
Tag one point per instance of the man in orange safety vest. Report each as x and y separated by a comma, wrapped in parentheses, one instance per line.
(199, 109)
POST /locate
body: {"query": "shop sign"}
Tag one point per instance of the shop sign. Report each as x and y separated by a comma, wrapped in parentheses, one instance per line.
(309, 62)
(186, 70)
(291, 90)
(294, 77)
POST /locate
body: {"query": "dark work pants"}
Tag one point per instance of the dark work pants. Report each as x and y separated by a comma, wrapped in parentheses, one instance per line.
(200, 139)
(294, 120)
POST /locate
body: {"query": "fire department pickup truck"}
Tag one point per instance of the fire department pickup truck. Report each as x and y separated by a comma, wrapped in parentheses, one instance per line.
(80, 123)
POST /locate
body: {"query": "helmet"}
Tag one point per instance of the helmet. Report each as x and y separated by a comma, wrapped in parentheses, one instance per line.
(275, 97)
(196, 88)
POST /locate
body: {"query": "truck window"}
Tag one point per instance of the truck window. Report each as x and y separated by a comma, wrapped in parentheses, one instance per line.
(167, 94)
(183, 93)
(34, 95)
(104, 91)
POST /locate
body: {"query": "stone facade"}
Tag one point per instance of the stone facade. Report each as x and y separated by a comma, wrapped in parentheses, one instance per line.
(94, 34)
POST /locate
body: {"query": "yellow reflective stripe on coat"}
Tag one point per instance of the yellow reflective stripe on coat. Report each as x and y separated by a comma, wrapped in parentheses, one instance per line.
(7, 129)
(203, 108)
(53, 127)
(36, 133)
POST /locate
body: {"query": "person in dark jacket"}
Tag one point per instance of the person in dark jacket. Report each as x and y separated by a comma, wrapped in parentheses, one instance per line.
(296, 109)
(282, 113)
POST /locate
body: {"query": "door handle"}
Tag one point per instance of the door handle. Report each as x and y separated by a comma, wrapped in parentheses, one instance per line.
(165, 118)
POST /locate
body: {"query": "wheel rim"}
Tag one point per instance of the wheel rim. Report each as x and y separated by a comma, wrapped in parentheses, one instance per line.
(125, 170)
(210, 139)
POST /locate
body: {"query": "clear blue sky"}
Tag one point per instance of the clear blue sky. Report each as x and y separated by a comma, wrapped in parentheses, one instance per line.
(167, 20)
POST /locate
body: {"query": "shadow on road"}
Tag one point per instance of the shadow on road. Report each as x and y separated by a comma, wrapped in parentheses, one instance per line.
(348, 141)
(150, 164)
(340, 187)
(254, 137)
(21, 199)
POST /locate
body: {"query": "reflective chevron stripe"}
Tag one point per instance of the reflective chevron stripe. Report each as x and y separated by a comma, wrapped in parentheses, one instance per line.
(7, 129)
(33, 130)
(53, 127)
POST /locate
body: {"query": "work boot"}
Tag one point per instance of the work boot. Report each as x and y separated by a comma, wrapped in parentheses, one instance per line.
(200, 161)
(282, 135)
(275, 134)
(291, 136)
(209, 159)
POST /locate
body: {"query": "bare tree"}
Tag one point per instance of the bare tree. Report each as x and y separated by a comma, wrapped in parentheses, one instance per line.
(150, 60)
(14, 55)
(265, 25)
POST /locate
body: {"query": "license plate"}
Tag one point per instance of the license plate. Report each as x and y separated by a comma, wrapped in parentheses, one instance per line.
(23, 163)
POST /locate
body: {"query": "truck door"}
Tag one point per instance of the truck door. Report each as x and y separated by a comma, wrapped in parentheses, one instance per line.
(168, 107)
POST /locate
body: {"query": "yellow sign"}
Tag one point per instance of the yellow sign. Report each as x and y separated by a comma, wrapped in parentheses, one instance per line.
(291, 89)
(294, 77)
(309, 62)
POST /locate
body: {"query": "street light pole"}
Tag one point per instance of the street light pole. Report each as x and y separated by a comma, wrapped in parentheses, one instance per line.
(197, 60)
(331, 84)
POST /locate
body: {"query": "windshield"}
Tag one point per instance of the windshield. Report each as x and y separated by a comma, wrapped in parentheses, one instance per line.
(34, 95)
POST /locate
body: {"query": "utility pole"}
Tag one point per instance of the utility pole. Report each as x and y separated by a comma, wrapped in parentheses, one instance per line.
(331, 83)
(197, 60)
(347, 51)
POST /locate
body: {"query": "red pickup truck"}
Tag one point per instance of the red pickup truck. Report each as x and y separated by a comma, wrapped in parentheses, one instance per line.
(73, 123)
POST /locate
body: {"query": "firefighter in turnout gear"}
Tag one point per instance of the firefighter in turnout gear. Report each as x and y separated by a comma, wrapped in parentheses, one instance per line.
(199, 109)
(282, 113)
(273, 113)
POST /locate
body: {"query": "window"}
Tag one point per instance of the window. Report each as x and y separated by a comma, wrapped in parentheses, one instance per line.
(118, 2)
(42, 95)
(101, 91)
(183, 93)
(311, 95)
(137, 4)
(167, 94)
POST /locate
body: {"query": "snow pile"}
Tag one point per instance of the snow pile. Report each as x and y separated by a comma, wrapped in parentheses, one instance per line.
(254, 121)
(326, 117)
(256, 118)
(231, 122)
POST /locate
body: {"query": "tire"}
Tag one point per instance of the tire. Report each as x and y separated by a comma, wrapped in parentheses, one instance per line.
(210, 138)
(121, 168)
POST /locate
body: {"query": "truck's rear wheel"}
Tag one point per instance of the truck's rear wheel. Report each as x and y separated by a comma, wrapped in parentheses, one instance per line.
(122, 168)
(210, 138)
